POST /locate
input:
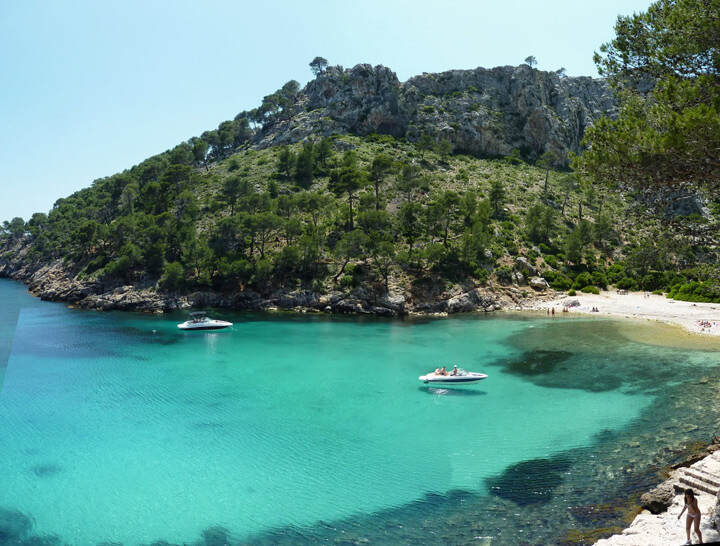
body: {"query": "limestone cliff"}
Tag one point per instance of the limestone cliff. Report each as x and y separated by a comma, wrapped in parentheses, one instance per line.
(487, 112)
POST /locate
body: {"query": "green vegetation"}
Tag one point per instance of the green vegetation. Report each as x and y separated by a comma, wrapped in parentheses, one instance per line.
(669, 135)
(310, 215)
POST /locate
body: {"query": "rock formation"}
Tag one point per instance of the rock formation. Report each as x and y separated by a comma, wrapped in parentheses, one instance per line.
(487, 112)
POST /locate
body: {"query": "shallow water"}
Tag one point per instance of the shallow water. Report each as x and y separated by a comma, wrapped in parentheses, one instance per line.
(118, 427)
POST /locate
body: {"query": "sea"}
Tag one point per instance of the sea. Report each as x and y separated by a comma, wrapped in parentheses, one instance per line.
(118, 428)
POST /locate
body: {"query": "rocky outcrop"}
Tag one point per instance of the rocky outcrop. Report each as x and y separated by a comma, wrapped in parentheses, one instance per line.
(482, 111)
(658, 500)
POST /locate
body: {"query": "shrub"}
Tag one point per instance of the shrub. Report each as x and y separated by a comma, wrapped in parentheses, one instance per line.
(599, 279)
(653, 280)
(173, 277)
(582, 280)
(504, 274)
(572, 292)
(626, 283)
(590, 290)
(551, 260)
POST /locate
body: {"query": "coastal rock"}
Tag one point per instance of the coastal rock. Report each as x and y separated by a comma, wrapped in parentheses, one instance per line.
(539, 283)
(522, 263)
(659, 499)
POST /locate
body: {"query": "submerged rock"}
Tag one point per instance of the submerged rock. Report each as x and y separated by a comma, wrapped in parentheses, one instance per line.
(14, 526)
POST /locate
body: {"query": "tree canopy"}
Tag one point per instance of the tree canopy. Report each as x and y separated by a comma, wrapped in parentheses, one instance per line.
(665, 67)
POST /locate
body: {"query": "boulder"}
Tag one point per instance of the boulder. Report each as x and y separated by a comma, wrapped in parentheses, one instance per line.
(522, 263)
(659, 499)
(538, 283)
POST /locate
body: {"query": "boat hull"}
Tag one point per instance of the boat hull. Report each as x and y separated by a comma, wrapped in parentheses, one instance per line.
(469, 377)
(217, 325)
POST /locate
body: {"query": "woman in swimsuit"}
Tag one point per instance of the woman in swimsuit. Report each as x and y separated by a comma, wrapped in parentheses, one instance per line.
(693, 515)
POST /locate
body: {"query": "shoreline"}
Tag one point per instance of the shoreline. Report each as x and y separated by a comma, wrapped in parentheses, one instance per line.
(696, 318)
(658, 529)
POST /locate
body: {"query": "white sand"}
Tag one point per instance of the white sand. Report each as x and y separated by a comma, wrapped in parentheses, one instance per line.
(637, 305)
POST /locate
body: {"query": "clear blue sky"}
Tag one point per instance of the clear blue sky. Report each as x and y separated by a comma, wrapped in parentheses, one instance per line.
(91, 88)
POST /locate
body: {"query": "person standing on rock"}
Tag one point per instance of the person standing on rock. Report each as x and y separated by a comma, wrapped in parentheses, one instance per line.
(693, 515)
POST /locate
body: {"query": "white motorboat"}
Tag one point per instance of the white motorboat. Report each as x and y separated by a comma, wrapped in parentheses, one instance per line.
(200, 321)
(457, 375)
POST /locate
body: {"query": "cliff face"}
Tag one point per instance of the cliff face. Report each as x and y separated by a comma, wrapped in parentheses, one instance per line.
(482, 111)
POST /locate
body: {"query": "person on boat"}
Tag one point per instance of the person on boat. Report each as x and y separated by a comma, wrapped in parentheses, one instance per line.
(454, 372)
(443, 371)
(437, 371)
(693, 515)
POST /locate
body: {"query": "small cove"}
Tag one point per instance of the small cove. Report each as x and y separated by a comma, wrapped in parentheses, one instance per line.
(117, 427)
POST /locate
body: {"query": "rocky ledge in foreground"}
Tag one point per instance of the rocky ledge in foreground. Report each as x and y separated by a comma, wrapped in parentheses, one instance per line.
(658, 523)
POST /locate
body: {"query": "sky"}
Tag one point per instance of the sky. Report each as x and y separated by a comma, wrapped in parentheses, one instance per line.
(91, 88)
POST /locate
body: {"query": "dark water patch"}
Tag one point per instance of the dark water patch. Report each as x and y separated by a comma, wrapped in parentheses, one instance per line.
(564, 370)
(530, 482)
(537, 362)
(46, 470)
(14, 526)
(634, 371)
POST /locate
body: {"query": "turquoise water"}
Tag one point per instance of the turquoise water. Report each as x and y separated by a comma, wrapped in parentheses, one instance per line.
(120, 428)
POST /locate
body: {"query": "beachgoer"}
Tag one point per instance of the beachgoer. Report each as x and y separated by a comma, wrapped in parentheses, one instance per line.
(553, 310)
(693, 515)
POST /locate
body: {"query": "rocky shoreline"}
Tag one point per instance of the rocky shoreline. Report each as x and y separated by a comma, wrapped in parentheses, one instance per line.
(58, 281)
(657, 524)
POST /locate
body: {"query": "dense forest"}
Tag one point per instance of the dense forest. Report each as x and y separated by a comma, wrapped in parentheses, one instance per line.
(638, 209)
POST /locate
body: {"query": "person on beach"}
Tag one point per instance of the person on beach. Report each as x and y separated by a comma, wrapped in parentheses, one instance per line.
(693, 515)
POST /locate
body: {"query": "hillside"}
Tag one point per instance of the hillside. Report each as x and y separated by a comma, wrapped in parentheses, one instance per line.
(358, 193)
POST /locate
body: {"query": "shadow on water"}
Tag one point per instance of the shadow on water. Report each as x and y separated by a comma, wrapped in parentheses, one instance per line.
(451, 391)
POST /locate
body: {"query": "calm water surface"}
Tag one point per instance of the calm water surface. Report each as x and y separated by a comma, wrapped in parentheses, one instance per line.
(119, 428)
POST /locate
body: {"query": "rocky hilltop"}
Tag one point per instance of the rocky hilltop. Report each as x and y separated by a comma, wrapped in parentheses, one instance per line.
(487, 112)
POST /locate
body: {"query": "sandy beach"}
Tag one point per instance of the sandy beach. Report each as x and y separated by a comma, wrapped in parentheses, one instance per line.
(698, 318)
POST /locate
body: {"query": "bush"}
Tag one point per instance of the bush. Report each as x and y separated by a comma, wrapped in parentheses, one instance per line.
(599, 279)
(551, 260)
(582, 280)
(557, 280)
(626, 283)
(615, 273)
(572, 292)
(653, 280)
(590, 290)
(173, 277)
(504, 274)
